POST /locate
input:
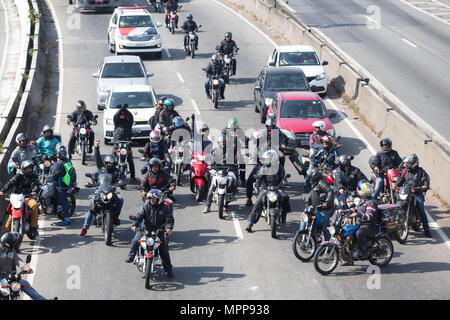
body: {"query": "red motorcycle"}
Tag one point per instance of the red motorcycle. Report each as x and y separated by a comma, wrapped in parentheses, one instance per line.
(199, 176)
(21, 216)
(391, 177)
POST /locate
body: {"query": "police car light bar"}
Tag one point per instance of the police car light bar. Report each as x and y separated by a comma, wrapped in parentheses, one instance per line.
(127, 8)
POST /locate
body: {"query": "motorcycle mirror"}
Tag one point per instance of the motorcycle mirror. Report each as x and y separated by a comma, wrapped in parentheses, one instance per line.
(288, 175)
(28, 259)
(187, 119)
(203, 69)
(89, 175)
(302, 198)
(131, 217)
(141, 151)
(96, 116)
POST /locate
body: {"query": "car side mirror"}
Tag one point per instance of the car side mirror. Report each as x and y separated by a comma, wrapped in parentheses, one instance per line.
(272, 63)
(150, 74)
(101, 107)
(332, 115)
(325, 63)
(95, 75)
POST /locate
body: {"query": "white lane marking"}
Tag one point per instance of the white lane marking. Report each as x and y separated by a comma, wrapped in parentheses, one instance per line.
(5, 52)
(180, 77)
(409, 42)
(237, 225)
(168, 53)
(426, 12)
(431, 222)
(371, 19)
(194, 105)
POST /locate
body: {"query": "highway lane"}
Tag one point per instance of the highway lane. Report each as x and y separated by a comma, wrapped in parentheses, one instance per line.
(210, 260)
(405, 49)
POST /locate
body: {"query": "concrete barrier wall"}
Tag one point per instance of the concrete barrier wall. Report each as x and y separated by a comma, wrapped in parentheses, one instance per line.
(407, 136)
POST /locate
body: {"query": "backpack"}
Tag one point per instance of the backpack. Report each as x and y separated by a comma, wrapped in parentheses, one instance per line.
(70, 178)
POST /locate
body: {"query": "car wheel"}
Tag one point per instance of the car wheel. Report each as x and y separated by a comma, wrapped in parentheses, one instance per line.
(263, 114)
(111, 46)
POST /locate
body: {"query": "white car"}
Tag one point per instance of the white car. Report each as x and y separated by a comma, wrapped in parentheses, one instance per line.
(133, 30)
(306, 58)
(141, 102)
(120, 70)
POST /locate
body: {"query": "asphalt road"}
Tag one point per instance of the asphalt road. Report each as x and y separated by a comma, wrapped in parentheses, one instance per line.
(407, 50)
(211, 259)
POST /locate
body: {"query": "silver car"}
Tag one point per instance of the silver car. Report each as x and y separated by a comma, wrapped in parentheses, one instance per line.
(119, 70)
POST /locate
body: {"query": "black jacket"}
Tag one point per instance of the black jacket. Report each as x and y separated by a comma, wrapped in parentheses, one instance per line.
(264, 179)
(227, 47)
(124, 125)
(115, 172)
(172, 5)
(58, 172)
(166, 117)
(172, 129)
(22, 183)
(388, 160)
(160, 181)
(348, 180)
(321, 188)
(81, 117)
(368, 212)
(215, 69)
(155, 217)
(416, 178)
(159, 151)
(189, 26)
(154, 120)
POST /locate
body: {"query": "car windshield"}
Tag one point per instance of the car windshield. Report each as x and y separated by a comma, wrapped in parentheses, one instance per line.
(304, 109)
(123, 70)
(298, 59)
(135, 21)
(286, 82)
(133, 99)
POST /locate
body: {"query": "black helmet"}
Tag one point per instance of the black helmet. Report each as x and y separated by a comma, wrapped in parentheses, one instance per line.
(374, 162)
(47, 128)
(61, 151)
(27, 164)
(316, 176)
(204, 129)
(344, 161)
(386, 144)
(161, 100)
(110, 158)
(22, 139)
(413, 159)
(81, 106)
(9, 239)
(228, 34)
(155, 162)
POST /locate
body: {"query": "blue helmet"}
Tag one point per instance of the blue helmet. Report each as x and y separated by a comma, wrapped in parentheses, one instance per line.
(189, 16)
(169, 102)
(178, 122)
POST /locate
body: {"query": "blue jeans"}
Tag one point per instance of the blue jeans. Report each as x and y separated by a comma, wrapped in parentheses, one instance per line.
(250, 180)
(326, 223)
(33, 294)
(420, 204)
(62, 199)
(379, 185)
(222, 86)
(341, 198)
(90, 216)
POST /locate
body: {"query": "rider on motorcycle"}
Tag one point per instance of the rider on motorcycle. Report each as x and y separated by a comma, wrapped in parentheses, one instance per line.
(271, 126)
(155, 213)
(153, 121)
(177, 123)
(189, 26)
(108, 165)
(9, 261)
(320, 186)
(215, 67)
(347, 178)
(167, 115)
(22, 152)
(260, 148)
(64, 175)
(80, 116)
(228, 46)
(46, 144)
(25, 182)
(155, 148)
(417, 177)
(381, 162)
(319, 133)
(123, 124)
(324, 157)
(156, 178)
(233, 134)
(271, 173)
(171, 6)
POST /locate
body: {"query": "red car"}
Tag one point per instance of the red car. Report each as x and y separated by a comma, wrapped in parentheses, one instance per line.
(296, 111)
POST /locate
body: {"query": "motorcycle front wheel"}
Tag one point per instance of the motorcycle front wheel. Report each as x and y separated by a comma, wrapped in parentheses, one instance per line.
(402, 234)
(108, 227)
(178, 171)
(83, 155)
(148, 272)
(273, 226)
(192, 51)
(326, 259)
(383, 251)
(216, 99)
(15, 227)
(304, 246)
(221, 203)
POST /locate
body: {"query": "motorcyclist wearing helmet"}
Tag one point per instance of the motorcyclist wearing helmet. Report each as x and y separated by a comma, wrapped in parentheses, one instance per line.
(171, 6)
(155, 214)
(323, 159)
(320, 187)
(271, 173)
(177, 123)
(347, 178)
(156, 178)
(215, 68)
(64, 175)
(23, 151)
(385, 159)
(417, 177)
(369, 216)
(189, 26)
(46, 144)
(108, 165)
(256, 160)
(155, 148)
(153, 121)
(167, 115)
(25, 182)
(80, 116)
(201, 140)
(123, 131)
(228, 47)
(283, 140)
(235, 141)
(319, 132)
(10, 262)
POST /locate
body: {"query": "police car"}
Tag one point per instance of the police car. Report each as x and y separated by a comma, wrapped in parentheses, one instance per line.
(133, 30)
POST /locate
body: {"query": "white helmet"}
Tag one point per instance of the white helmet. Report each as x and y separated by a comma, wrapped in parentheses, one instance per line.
(155, 136)
(320, 124)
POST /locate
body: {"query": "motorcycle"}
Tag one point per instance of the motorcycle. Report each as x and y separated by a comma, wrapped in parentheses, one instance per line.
(48, 201)
(391, 177)
(229, 61)
(308, 234)
(225, 182)
(177, 152)
(45, 163)
(10, 287)
(271, 208)
(190, 48)
(171, 16)
(105, 202)
(82, 133)
(343, 244)
(158, 5)
(21, 216)
(214, 88)
(121, 153)
(412, 217)
(199, 181)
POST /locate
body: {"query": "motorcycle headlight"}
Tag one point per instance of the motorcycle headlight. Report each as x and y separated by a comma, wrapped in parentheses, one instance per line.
(304, 218)
(201, 158)
(268, 101)
(110, 196)
(394, 179)
(82, 131)
(123, 151)
(215, 82)
(227, 59)
(16, 204)
(332, 230)
(320, 76)
(403, 196)
(272, 196)
(47, 163)
(150, 242)
(330, 132)
(15, 286)
(109, 122)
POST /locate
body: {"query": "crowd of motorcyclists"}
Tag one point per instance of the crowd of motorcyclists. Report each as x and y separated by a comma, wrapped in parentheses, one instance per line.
(262, 156)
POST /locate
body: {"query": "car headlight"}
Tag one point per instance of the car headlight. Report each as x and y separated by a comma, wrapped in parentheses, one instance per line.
(109, 121)
(288, 134)
(15, 286)
(320, 76)
(123, 151)
(123, 37)
(82, 131)
(330, 132)
(268, 101)
(272, 196)
(156, 37)
(150, 242)
(332, 230)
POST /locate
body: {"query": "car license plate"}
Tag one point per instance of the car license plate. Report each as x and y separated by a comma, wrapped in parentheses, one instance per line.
(304, 142)
(137, 130)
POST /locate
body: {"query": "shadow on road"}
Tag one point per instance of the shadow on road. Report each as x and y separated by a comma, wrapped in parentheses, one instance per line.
(182, 240)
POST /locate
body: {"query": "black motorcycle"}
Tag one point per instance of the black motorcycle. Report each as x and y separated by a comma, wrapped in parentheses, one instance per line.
(121, 152)
(407, 196)
(190, 47)
(48, 201)
(82, 133)
(106, 202)
(228, 61)
(214, 89)
(10, 284)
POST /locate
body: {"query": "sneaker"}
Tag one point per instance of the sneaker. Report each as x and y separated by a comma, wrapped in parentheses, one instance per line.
(83, 232)
(65, 222)
(90, 150)
(428, 234)
(116, 221)
(222, 97)
(249, 228)
(206, 210)
(249, 202)
(129, 260)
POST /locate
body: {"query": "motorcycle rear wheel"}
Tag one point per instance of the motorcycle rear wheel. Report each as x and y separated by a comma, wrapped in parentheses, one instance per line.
(301, 251)
(383, 244)
(325, 263)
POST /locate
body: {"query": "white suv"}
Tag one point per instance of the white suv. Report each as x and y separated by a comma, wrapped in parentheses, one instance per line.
(306, 58)
(133, 30)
